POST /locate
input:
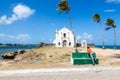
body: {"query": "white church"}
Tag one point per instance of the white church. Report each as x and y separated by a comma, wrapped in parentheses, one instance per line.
(64, 38)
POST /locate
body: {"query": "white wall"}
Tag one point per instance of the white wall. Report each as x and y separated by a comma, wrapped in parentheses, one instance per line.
(68, 38)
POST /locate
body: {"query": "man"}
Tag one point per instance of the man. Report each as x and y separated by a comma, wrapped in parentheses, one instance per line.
(90, 53)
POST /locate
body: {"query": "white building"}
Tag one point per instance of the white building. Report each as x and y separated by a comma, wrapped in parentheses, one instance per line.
(64, 38)
(84, 43)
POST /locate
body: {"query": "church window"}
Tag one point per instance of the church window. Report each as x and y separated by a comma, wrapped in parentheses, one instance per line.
(58, 43)
(64, 34)
(69, 43)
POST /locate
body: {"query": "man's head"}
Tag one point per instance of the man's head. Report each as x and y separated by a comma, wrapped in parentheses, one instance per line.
(88, 47)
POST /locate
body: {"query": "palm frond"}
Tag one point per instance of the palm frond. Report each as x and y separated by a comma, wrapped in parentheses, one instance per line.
(114, 26)
(63, 6)
(96, 17)
(109, 22)
(107, 28)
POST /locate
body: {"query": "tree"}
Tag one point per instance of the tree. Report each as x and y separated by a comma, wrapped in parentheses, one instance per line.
(110, 24)
(96, 18)
(64, 7)
(42, 44)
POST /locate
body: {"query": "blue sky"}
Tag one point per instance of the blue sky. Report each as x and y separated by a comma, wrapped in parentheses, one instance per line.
(33, 21)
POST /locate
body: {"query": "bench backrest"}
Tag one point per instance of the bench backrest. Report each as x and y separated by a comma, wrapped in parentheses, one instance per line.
(81, 55)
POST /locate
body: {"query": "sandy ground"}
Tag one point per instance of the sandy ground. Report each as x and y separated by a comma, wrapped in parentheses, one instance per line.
(51, 57)
(101, 75)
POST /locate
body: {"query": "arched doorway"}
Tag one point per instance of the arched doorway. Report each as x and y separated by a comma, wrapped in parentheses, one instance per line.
(64, 43)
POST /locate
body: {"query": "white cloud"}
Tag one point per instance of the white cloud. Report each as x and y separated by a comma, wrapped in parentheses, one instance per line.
(19, 12)
(50, 39)
(52, 24)
(22, 11)
(17, 38)
(109, 10)
(2, 35)
(85, 36)
(78, 37)
(113, 1)
(23, 37)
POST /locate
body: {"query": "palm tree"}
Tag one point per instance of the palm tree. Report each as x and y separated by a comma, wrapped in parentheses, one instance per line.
(110, 24)
(64, 7)
(96, 18)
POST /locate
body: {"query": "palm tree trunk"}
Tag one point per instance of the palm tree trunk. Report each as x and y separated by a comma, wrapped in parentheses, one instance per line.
(114, 38)
(103, 44)
(72, 31)
(70, 23)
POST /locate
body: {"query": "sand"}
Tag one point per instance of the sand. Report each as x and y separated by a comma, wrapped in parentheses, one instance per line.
(52, 57)
(101, 75)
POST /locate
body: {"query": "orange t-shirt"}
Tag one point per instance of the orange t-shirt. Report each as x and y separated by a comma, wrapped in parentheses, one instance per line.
(89, 50)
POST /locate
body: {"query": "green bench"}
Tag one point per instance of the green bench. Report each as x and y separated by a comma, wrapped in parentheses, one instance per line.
(79, 58)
